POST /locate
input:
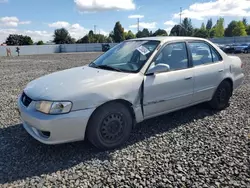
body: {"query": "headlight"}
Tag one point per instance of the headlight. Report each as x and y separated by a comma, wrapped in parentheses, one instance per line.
(49, 107)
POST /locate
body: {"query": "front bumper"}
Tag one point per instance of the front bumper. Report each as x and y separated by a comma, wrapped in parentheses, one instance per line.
(58, 128)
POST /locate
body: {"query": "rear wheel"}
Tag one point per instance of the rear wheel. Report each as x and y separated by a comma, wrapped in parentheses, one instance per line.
(222, 96)
(109, 126)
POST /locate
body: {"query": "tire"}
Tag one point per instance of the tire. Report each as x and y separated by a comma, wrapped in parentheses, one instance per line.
(110, 126)
(222, 96)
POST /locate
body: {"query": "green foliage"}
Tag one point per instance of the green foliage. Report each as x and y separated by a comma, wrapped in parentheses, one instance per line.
(240, 29)
(93, 38)
(62, 36)
(177, 30)
(219, 28)
(229, 30)
(209, 24)
(143, 33)
(160, 32)
(118, 33)
(187, 27)
(248, 30)
(244, 20)
(17, 40)
(202, 32)
(212, 33)
(203, 26)
(129, 35)
(40, 42)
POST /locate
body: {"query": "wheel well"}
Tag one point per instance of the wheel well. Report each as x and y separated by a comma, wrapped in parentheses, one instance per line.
(122, 101)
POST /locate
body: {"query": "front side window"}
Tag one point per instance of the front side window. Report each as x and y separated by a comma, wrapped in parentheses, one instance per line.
(174, 55)
(128, 56)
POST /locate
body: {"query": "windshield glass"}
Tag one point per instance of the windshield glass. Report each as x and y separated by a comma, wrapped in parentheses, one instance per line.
(128, 56)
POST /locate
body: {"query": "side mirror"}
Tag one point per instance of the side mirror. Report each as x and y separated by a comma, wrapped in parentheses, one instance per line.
(158, 69)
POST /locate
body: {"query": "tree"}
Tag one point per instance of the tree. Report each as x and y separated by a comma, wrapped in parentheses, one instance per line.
(212, 33)
(40, 42)
(209, 24)
(14, 39)
(160, 32)
(118, 32)
(219, 28)
(62, 36)
(129, 35)
(244, 20)
(240, 29)
(248, 30)
(143, 33)
(187, 27)
(202, 32)
(203, 26)
(84, 39)
(229, 30)
(177, 30)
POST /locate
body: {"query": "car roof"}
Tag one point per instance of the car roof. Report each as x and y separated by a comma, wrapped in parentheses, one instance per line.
(168, 38)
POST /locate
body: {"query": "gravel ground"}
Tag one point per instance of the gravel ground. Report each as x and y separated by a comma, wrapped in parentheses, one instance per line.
(194, 147)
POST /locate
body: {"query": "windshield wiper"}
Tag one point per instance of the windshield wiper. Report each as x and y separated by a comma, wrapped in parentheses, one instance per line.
(107, 67)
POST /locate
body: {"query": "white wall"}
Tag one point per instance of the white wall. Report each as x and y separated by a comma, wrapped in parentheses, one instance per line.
(49, 49)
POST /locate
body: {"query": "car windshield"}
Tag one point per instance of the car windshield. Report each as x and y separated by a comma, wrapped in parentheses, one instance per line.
(128, 56)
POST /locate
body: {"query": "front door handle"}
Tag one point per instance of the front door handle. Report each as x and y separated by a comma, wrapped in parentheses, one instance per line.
(221, 70)
(188, 78)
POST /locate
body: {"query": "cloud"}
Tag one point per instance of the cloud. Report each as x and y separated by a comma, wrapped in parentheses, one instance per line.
(170, 23)
(101, 5)
(136, 16)
(4, 1)
(216, 8)
(11, 21)
(35, 35)
(148, 25)
(59, 24)
(75, 30)
(25, 22)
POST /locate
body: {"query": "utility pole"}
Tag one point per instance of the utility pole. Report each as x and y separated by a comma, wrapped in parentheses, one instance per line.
(138, 24)
(95, 29)
(180, 21)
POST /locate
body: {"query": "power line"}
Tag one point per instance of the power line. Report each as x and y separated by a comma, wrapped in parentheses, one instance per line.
(95, 29)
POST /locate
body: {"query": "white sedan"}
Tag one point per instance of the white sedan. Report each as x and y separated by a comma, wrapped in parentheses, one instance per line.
(136, 80)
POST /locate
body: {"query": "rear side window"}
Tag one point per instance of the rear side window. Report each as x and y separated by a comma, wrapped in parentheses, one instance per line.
(203, 53)
(215, 56)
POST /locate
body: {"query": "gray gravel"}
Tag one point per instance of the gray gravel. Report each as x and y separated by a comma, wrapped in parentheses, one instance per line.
(194, 147)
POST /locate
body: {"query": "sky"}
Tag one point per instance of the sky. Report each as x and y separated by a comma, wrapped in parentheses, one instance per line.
(39, 18)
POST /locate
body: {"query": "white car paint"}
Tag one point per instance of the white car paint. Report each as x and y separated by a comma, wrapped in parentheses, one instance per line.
(149, 95)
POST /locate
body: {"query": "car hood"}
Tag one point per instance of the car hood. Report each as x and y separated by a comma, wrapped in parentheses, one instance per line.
(91, 85)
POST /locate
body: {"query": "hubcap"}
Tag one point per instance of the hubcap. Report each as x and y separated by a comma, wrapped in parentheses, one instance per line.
(112, 127)
(222, 96)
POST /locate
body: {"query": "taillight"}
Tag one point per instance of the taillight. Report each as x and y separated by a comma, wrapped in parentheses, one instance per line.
(242, 64)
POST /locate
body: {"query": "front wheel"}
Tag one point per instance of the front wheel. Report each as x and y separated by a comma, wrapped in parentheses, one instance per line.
(110, 126)
(222, 96)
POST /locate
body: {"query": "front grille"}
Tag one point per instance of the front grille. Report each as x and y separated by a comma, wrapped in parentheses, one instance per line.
(25, 100)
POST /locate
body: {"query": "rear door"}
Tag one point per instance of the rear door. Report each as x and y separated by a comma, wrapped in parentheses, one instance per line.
(208, 70)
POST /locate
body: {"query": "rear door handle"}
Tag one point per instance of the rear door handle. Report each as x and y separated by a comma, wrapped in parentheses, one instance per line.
(188, 78)
(221, 70)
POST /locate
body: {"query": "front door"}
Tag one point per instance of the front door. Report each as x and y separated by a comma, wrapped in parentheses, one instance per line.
(168, 91)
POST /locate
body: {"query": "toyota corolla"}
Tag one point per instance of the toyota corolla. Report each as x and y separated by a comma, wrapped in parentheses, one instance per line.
(136, 80)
